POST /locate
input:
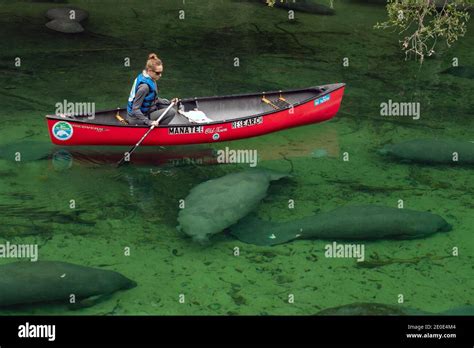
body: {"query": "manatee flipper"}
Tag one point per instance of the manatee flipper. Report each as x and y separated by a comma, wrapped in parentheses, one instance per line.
(89, 301)
(253, 230)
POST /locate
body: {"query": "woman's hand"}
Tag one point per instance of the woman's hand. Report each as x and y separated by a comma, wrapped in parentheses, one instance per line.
(175, 100)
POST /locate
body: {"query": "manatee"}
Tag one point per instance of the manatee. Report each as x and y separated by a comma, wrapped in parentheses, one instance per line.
(48, 281)
(65, 26)
(216, 204)
(462, 310)
(466, 72)
(68, 13)
(370, 309)
(27, 150)
(365, 222)
(384, 309)
(307, 6)
(431, 151)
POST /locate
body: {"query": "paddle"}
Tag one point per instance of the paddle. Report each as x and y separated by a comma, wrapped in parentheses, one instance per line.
(129, 153)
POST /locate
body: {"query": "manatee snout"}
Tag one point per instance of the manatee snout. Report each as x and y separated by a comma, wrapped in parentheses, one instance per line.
(445, 226)
(130, 284)
(433, 223)
(202, 240)
(384, 151)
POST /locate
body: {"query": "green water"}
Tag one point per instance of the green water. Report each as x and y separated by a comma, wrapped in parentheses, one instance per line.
(136, 207)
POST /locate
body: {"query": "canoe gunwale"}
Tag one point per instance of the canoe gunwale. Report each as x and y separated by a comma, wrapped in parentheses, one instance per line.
(328, 89)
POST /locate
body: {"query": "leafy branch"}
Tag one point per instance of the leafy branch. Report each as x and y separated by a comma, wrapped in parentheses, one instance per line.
(424, 22)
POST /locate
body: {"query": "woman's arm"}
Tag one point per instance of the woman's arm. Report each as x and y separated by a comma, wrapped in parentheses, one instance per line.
(162, 101)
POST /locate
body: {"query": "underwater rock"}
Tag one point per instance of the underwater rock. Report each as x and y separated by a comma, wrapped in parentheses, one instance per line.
(67, 13)
(364, 222)
(216, 204)
(432, 151)
(25, 151)
(307, 6)
(65, 26)
(460, 71)
(363, 308)
(47, 281)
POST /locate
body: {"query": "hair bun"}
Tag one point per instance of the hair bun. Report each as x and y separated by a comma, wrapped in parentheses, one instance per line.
(153, 56)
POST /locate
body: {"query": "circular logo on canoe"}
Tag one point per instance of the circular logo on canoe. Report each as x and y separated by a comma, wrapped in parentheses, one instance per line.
(62, 130)
(215, 136)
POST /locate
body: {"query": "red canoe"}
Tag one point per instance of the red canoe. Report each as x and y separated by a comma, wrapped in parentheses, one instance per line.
(233, 117)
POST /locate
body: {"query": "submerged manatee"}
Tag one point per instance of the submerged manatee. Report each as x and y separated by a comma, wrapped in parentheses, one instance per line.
(65, 26)
(47, 281)
(216, 204)
(370, 309)
(463, 310)
(352, 222)
(27, 150)
(432, 151)
(307, 6)
(384, 309)
(466, 72)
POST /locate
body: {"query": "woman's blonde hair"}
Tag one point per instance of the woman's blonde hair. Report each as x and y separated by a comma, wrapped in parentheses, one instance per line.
(153, 61)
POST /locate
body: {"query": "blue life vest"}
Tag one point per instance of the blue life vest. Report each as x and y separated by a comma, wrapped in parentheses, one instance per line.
(149, 98)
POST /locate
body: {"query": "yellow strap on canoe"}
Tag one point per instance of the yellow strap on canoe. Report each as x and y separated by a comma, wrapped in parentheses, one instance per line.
(269, 102)
(120, 118)
(281, 98)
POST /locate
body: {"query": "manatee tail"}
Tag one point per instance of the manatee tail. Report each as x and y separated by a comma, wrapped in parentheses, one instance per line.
(253, 230)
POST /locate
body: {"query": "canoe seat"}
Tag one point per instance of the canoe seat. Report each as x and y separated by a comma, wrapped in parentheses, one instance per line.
(277, 104)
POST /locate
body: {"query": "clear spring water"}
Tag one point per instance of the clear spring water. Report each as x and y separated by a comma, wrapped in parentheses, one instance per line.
(136, 206)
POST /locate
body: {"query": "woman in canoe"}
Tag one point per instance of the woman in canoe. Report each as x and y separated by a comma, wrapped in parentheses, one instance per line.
(144, 106)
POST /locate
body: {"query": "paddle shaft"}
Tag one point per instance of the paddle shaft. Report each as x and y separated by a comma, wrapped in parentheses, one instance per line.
(145, 135)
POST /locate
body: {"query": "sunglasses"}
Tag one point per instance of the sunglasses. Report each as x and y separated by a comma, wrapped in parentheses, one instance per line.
(158, 72)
